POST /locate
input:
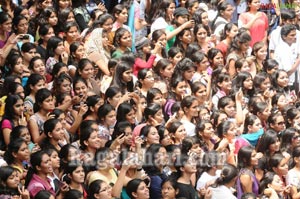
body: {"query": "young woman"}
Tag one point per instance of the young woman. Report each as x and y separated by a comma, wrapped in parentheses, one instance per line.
(183, 39)
(122, 42)
(85, 70)
(71, 34)
(99, 189)
(28, 51)
(272, 186)
(5, 28)
(13, 116)
(43, 105)
(137, 189)
(54, 133)
(230, 30)
(222, 88)
(177, 132)
(159, 38)
(120, 14)
(9, 184)
(190, 107)
(256, 21)
(163, 71)
(162, 15)
(37, 176)
(45, 32)
(146, 81)
(292, 175)
(17, 156)
(169, 189)
(55, 53)
(222, 186)
(202, 39)
(260, 52)
(247, 160)
(74, 176)
(123, 77)
(204, 132)
(93, 102)
(224, 16)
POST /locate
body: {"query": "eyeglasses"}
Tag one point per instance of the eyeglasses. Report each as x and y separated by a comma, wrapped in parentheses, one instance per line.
(296, 137)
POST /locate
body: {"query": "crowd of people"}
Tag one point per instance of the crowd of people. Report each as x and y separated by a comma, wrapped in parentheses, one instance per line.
(139, 99)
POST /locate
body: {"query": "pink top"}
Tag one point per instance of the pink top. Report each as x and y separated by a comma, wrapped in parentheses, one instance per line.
(6, 124)
(259, 27)
(140, 64)
(37, 184)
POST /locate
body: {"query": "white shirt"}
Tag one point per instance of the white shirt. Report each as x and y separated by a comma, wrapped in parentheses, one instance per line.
(222, 192)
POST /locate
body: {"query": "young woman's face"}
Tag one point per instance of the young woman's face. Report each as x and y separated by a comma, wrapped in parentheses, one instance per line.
(282, 102)
(254, 5)
(266, 84)
(232, 132)
(115, 99)
(93, 141)
(128, 136)
(168, 71)
(275, 146)
(203, 65)
(27, 56)
(283, 79)
(108, 25)
(64, 4)
(58, 132)
(20, 91)
(79, 53)
(60, 48)
(65, 86)
(46, 165)
(52, 20)
(78, 175)
(166, 140)
(105, 191)
(176, 58)
(204, 114)
(186, 37)
(188, 74)
(126, 40)
(201, 34)
(71, 17)
(25, 13)
(277, 184)
(161, 157)
(208, 131)
(127, 75)
(6, 26)
(182, 19)
(229, 109)
(227, 13)
(248, 83)
(72, 34)
(148, 82)
(193, 110)
(168, 191)
(254, 158)
(55, 160)
(171, 9)
(153, 136)
(158, 99)
(25, 135)
(255, 126)
(245, 46)
(81, 88)
(40, 84)
(201, 93)
(48, 35)
(23, 153)
(22, 27)
(46, 4)
(48, 104)
(204, 19)
(87, 71)
(39, 67)
(162, 40)
(13, 180)
(225, 85)
(233, 31)
(130, 117)
(18, 67)
(159, 116)
(73, 155)
(122, 16)
(18, 108)
(142, 191)
(193, 9)
(261, 54)
(110, 118)
(180, 89)
(282, 168)
(180, 133)
(218, 59)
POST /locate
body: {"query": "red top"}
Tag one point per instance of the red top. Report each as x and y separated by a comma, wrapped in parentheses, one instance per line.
(140, 64)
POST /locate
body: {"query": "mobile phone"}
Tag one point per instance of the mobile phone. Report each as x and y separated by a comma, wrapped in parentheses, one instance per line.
(24, 37)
